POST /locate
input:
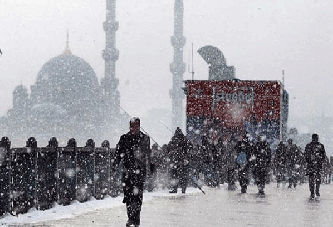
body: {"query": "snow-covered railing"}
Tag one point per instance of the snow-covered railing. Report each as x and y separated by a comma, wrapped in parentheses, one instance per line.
(41, 176)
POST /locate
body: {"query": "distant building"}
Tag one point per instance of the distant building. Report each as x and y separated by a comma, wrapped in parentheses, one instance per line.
(66, 101)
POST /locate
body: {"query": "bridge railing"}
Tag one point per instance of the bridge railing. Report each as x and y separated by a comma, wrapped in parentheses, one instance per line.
(38, 177)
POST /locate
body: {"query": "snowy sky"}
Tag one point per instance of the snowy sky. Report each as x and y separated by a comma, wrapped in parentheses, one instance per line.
(258, 37)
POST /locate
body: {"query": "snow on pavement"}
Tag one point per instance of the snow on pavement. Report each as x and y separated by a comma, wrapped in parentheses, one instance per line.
(76, 208)
(219, 207)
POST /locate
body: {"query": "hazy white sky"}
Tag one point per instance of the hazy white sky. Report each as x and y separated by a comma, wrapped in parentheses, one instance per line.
(258, 37)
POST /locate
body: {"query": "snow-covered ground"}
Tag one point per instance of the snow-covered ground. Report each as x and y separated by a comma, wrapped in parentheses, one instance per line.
(76, 208)
(218, 207)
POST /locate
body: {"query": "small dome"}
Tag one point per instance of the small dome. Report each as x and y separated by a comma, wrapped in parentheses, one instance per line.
(47, 111)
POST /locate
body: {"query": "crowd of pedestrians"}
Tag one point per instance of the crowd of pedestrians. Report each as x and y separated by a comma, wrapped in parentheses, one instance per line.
(233, 160)
(228, 159)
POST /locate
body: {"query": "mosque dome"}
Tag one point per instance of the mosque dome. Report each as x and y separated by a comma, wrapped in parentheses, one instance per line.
(67, 70)
(67, 81)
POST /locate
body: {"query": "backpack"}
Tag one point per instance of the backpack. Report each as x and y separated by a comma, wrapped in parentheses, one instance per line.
(241, 159)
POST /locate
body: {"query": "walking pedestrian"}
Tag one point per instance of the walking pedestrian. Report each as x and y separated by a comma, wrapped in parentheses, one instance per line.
(280, 163)
(230, 162)
(210, 160)
(154, 164)
(244, 150)
(179, 149)
(315, 156)
(293, 160)
(133, 149)
(262, 160)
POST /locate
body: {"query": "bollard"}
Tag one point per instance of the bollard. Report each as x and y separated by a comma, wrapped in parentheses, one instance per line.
(66, 181)
(4, 175)
(30, 166)
(102, 170)
(46, 171)
(85, 157)
(115, 175)
(23, 182)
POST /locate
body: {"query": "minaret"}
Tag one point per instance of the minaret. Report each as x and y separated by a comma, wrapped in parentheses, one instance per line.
(110, 56)
(177, 67)
(67, 50)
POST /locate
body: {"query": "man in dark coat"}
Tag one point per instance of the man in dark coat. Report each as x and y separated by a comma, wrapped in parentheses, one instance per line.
(210, 158)
(155, 163)
(229, 158)
(262, 155)
(206, 159)
(133, 149)
(178, 148)
(280, 163)
(314, 156)
(244, 149)
(293, 158)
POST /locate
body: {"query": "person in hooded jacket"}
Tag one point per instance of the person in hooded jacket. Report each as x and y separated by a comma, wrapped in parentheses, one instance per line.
(154, 165)
(133, 149)
(280, 163)
(315, 156)
(229, 158)
(293, 159)
(244, 150)
(262, 160)
(178, 148)
(207, 160)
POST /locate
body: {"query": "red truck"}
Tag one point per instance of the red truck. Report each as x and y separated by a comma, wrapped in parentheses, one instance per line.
(231, 107)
